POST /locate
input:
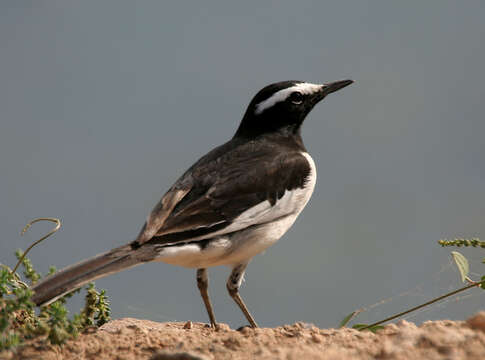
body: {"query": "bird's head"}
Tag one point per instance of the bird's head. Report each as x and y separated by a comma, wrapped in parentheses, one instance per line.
(283, 106)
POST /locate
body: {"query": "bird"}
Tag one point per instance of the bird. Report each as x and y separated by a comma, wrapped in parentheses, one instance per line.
(230, 205)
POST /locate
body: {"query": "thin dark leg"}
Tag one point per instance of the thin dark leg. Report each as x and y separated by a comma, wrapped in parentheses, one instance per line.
(203, 285)
(233, 285)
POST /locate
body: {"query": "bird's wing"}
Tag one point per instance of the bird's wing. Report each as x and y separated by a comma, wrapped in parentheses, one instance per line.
(226, 195)
(160, 213)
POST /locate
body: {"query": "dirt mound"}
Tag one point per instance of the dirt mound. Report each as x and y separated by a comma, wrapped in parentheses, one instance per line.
(143, 339)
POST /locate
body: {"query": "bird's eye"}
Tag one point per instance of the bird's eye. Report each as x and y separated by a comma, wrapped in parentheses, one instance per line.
(296, 98)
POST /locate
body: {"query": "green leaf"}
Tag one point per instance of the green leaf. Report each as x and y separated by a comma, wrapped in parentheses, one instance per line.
(373, 329)
(462, 264)
(482, 285)
(346, 319)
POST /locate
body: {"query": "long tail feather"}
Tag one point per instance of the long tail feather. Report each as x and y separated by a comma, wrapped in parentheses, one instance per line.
(75, 276)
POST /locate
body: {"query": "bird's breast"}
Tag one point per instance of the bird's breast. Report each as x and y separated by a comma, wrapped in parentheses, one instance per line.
(302, 195)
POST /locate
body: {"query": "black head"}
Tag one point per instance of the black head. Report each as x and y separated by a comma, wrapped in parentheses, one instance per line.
(283, 106)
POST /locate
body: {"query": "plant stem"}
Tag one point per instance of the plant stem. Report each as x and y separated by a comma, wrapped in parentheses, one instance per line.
(425, 304)
(58, 226)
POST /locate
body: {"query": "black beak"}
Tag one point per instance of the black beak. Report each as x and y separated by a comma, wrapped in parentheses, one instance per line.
(334, 86)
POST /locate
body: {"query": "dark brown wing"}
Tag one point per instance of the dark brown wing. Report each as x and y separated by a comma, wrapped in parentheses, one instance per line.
(212, 194)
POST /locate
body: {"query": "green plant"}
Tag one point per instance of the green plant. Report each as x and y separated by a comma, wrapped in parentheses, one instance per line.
(461, 261)
(464, 269)
(18, 318)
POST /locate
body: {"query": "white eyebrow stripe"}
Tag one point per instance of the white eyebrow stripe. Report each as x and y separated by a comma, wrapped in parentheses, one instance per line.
(282, 95)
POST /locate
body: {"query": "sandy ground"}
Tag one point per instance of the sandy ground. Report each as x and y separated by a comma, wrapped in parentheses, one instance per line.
(143, 339)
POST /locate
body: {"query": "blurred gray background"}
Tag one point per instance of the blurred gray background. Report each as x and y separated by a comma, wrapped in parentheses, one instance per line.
(103, 104)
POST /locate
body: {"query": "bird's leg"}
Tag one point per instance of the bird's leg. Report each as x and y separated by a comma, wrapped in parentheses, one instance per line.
(203, 285)
(233, 285)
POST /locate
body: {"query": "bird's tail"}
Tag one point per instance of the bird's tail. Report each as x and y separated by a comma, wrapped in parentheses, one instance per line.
(75, 276)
